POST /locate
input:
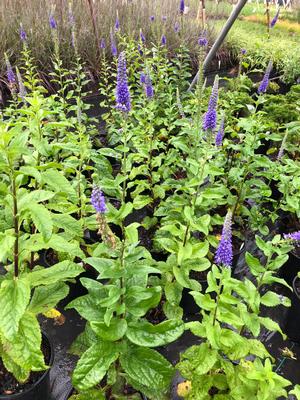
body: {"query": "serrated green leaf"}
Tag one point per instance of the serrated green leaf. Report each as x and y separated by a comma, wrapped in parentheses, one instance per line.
(57, 273)
(41, 218)
(46, 297)
(14, 298)
(94, 364)
(147, 371)
(115, 331)
(142, 333)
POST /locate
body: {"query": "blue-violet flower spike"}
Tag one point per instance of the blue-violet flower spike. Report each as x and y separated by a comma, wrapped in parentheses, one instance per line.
(122, 91)
(113, 45)
(265, 81)
(202, 41)
(292, 236)
(148, 87)
(143, 78)
(117, 24)
(163, 40)
(181, 7)
(220, 134)
(210, 117)
(52, 22)
(142, 36)
(98, 200)
(10, 73)
(102, 44)
(274, 20)
(224, 253)
(23, 35)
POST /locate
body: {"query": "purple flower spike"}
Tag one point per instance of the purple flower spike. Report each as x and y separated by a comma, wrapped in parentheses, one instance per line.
(210, 118)
(113, 46)
(163, 40)
(202, 41)
(22, 90)
(142, 78)
(220, 134)
(295, 236)
(148, 87)
(142, 37)
(140, 50)
(122, 91)
(243, 52)
(181, 7)
(152, 18)
(224, 254)
(164, 18)
(102, 44)
(98, 200)
(10, 73)
(176, 27)
(52, 22)
(265, 82)
(117, 24)
(274, 20)
(23, 35)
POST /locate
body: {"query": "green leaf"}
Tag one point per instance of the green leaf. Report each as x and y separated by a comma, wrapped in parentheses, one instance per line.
(201, 359)
(58, 243)
(173, 292)
(270, 299)
(147, 371)
(21, 374)
(59, 183)
(36, 196)
(254, 264)
(46, 297)
(202, 224)
(271, 325)
(131, 232)
(115, 331)
(87, 307)
(68, 223)
(145, 334)
(83, 341)
(263, 246)
(57, 273)
(139, 300)
(94, 364)
(14, 298)
(25, 347)
(41, 218)
(6, 245)
(296, 392)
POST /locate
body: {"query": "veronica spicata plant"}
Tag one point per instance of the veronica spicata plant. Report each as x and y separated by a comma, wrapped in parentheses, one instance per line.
(27, 289)
(228, 362)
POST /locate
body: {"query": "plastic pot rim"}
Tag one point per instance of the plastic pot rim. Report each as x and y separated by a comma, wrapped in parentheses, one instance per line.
(18, 396)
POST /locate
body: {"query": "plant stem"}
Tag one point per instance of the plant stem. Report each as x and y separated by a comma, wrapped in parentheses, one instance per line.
(193, 203)
(239, 195)
(16, 228)
(217, 303)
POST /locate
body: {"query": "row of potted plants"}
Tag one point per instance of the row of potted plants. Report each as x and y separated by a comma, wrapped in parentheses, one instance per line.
(171, 191)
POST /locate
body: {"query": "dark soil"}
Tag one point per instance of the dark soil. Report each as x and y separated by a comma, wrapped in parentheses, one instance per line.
(9, 385)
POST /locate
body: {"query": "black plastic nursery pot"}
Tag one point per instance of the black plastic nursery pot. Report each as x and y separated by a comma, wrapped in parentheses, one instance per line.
(72, 391)
(293, 318)
(290, 269)
(40, 390)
